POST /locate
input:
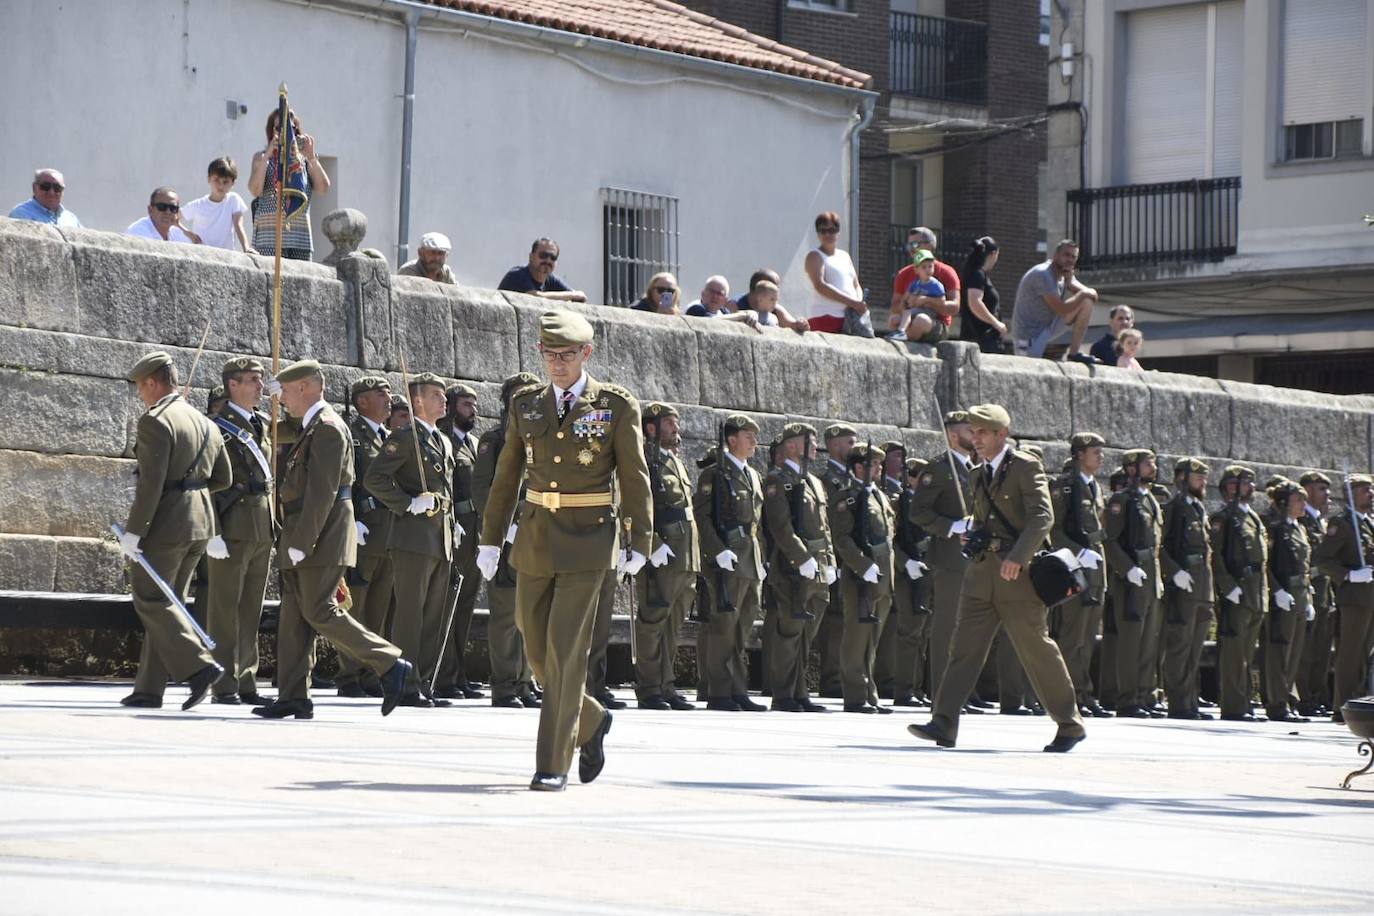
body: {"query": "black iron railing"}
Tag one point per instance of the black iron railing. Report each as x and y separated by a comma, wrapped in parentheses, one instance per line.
(938, 58)
(1138, 225)
(953, 247)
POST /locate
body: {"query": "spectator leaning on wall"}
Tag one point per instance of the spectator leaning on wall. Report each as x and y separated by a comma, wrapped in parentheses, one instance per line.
(45, 206)
(537, 277)
(432, 260)
(162, 224)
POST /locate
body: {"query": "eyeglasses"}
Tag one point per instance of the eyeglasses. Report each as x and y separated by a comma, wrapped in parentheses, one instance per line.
(560, 356)
(546, 256)
(50, 186)
(665, 290)
(166, 208)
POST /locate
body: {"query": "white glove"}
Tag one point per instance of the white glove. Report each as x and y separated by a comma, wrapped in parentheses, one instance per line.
(831, 574)
(1362, 575)
(511, 532)
(488, 558)
(1233, 595)
(1283, 600)
(1311, 613)
(217, 549)
(808, 569)
(128, 545)
(458, 532)
(272, 388)
(295, 556)
(421, 504)
(915, 569)
(633, 565)
(363, 532)
(1184, 580)
(871, 574)
(726, 560)
(959, 527)
(660, 556)
(1136, 576)
(1090, 559)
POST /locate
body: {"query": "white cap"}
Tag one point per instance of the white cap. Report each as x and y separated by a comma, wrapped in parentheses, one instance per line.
(435, 241)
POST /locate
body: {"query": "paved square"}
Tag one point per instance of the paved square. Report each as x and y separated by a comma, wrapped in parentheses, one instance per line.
(108, 810)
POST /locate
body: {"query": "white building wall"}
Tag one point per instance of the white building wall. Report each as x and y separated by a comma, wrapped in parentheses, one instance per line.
(511, 140)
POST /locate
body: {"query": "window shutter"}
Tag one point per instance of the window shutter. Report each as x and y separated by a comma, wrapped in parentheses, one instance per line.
(1226, 113)
(1165, 89)
(1324, 60)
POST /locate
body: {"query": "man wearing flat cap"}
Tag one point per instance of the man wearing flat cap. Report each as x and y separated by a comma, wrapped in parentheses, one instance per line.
(839, 439)
(240, 555)
(413, 477)
(1348, 563)
(318, 543)
(432, 260)
(1011, 519)
(565, 441)
(370, 580)
(1133, 531)
(181, 465)
(1240, 560)
(458, 423)
(1078, 510)
(1186, 563)
(1314, 689)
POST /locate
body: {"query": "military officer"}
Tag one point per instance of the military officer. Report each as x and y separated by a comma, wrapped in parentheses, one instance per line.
(1132, 533)
(418, 492)
(1314, 690)
(1012, 517)
(862, 525)
(458, 423)
(1185, 559)
(801, 567)
(839, 439)
(729, 507)
(666, 588)
(1078, 510)
(909, 621)
(512, 681)
(181, 464)
(566, 440)
(598, 656)
(241, 553)
(1290, 601)
(1240, 556)
(1347, 562)
(370, 581)
(318, 543)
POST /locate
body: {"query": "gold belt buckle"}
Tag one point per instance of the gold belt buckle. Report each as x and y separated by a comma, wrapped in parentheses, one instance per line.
(553, 501)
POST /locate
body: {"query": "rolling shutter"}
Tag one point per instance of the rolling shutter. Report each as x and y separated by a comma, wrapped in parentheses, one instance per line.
(1324, 52)
(1226, 113)
(1165, 110)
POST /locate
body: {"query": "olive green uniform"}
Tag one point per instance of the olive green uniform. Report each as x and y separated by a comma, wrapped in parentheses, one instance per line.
(829, 638)
(1187, 547)
(467, 581)
(1314, 669)
(1078, 510)
(1240, 550)
(510, 669)
(938, 502)
(1339, 554)
(1290, 570)
(907, 631)
(1132, 532)
(370, 581)
(664, 594)
(738, 491)
(862, 525)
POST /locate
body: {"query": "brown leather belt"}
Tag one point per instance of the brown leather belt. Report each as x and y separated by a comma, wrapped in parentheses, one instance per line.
(555, 501)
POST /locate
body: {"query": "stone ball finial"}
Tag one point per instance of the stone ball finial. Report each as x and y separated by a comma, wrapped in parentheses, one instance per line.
(346, 228)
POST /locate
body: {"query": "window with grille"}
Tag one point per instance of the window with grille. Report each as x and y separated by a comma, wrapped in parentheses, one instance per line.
(641, 239)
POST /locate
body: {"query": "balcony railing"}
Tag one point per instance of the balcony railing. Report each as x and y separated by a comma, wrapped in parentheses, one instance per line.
(1139, 225)
(937, 58)
(954, 247)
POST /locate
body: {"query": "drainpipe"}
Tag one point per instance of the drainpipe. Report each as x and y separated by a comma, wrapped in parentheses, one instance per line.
(407, 126)
(865, 113)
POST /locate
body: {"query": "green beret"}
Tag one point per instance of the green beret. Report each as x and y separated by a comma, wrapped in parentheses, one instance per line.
(1191, 466)
(1360, 480)
(1134, 456)
(461, 391)
(399, 403)
(657, 409)
(369, 383)
(216, 394)
(1314, 477)
(989, 416)
(428, 378)
(1282, 489)
(242, 364)
(955, 417)
(298, 370)
(1081, 442)
(915, 466)
(864, 452)
(738, 422)
(564, 329)
(892, 445)
(792, 430)
(148, 365)
(1236, 472)
(1275, 480)
(518, 380)
(835, 430)
(1031, 448)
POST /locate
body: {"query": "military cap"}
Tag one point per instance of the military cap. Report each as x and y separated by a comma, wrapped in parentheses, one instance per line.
(428, 378)
(460, 390)
(792, 430)
(955, 417)
(216, 394)
(657, 410)
(989, 416)
(400, 403)
(864, 451)
(369, 383)
(243, 364)
(915, 466)
(1032, 449)
(518, 380)
(303, 368)
(1282, 489)
(1314, 477)
(1274, 480)
(148, 365)
(835, 430)
(738, 422)
(1360, 480)
(1236, 472)
(892, 445)
(1191, 466)
(1134, 456)
(1081, 442)
(564, 329)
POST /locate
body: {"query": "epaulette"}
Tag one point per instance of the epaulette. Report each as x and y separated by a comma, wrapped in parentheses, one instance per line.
(619, 392)
(1025, 456)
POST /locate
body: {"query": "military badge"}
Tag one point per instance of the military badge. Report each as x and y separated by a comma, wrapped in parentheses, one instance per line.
(390, 448)
(772, 489)
(1114, 508)
(927, 479)
(585, 457)
(483, 448)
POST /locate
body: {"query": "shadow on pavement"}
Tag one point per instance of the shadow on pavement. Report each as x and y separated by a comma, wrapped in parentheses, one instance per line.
(447, 788)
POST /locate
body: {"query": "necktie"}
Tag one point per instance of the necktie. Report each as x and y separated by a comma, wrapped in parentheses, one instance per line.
(257, 427)
(565, 404)
(1092, 489)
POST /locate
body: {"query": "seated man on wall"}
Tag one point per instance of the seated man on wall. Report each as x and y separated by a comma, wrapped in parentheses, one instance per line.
(1050, 300)
(537, 277)
(431, 261)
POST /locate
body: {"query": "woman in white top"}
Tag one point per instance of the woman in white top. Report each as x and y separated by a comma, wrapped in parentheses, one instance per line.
(833, 277)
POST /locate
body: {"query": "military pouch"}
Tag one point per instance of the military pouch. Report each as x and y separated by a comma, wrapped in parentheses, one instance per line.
(353, 578)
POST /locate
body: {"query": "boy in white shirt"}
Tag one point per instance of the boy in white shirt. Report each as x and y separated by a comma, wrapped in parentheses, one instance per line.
(218, 216)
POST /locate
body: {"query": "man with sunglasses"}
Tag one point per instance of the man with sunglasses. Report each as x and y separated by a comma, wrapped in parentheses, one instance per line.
(537, 277)
(162, 224)
(45, 206)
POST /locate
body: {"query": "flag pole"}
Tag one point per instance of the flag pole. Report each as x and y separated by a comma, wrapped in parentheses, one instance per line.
(283, 158)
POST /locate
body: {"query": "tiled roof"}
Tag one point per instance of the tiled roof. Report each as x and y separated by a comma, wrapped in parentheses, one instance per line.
(664, 26)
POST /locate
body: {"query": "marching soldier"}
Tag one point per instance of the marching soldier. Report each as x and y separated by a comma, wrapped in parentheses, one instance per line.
(1347, 561)
(1012, 517)
(862, 526)
(1186, 561)
(1314, 690)
(566, 440)
(1078, 510)
(665, 591)
(839, 439)
(801, 567)
(240, 555)
(1240, 556)
(370, 581)
(181, 464)
(729, 507)
(418, 492)
(1132, 534)
(460, 419)
(512, 682)
(1290, 601)
(318, 543)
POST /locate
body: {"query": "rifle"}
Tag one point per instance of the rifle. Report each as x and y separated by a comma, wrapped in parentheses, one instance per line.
(799, 612)
(861, 540)
(723, 603)
(653, 589)
(1354, 523)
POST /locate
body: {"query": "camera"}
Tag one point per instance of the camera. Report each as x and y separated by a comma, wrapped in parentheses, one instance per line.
(976, 543)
